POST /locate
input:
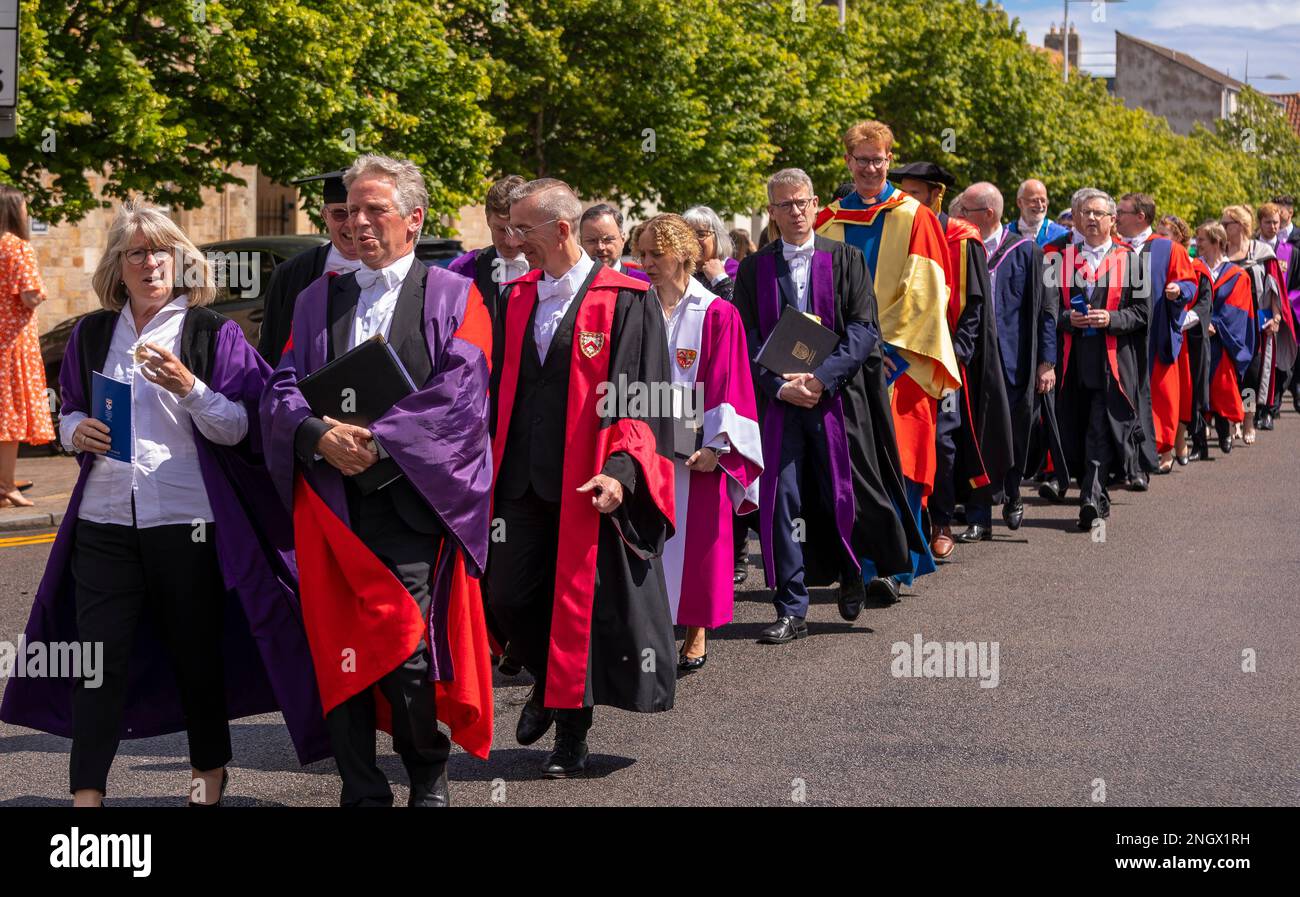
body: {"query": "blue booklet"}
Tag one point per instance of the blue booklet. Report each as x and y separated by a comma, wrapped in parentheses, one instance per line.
(110, 403)
(1265, 317)
(1080, 304)
(899, 362)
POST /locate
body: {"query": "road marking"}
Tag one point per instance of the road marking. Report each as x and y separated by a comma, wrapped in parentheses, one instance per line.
(19, 541)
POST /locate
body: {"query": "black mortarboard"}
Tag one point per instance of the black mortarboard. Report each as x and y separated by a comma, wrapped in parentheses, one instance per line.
(844, 189)
(923, 171)
(334, 189)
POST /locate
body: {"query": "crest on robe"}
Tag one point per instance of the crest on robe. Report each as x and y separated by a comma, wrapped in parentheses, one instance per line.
(591, 343)
(686, 358)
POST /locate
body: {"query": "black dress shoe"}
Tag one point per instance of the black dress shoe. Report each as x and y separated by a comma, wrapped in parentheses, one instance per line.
(853, 593)
(883, 588)
(569, 758)
(974, 533)
(785, 629)
(435, 794)
(508, 666)
(1295, 400)
(1139, 483)
(1265, 422)
(740, 572)
(225, 780)
(534, 720)
(1013, 514)
(690, 664)
(1052, 491)
(1089, 514)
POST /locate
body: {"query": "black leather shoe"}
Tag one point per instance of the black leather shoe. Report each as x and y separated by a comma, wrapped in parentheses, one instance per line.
(690, 664)
(974, 533)
(1052, 491)
(1088, 516)
(569, 758)
(1295, 400)
(534, 720)
(785, 629)
(740, 572)
(883, 588)
(225, 780)
(1265, 422)
(436, 794)
(507, 665)
(1013, 514)
(1139, 483)
(853, 593)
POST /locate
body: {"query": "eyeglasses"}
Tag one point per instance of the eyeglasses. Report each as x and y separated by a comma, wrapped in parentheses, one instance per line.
(602, 241)
(520, 233)
(789, 204)
(337, 215)
(1094, 213)
(703, 234)
(137, 256)
(871, 162)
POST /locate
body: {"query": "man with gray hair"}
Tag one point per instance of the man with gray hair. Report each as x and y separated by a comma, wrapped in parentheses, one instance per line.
(1103, 331)
(390, 496)
(1031, 200)
(583, 483)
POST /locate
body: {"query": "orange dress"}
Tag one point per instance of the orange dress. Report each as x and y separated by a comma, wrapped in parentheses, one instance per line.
(24, 407)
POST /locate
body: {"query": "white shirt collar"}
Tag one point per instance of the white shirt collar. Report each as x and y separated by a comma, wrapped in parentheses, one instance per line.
(575, 275)
(788, 248)
(1138, 241)
(394, 272)
(334, 261)
(992, 243)
(180, 303)
(1030, 230)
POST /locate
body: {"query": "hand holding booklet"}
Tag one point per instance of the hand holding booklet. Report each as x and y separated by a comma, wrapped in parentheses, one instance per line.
(358, 388)
(110, 400)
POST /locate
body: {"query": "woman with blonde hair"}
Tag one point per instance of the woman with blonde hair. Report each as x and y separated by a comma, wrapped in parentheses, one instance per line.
(719, 459)
(1275, 345)
(172, 557)
(1232, 330)
(24, 409)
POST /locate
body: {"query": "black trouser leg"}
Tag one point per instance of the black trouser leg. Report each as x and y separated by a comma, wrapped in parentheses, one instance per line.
(943, 499)
(1098, 452)
(110, 590)
(352, 736)
(187, 597)
(521, 579)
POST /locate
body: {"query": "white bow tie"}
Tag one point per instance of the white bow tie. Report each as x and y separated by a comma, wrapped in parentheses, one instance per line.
(799, 252)
(553, 289)
(368, 277)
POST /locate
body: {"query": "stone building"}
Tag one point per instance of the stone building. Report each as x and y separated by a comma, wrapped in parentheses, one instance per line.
(1171, 84)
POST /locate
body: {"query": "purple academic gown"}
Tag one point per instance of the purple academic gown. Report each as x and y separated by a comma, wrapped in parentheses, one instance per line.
(266, 660)
(437, 435)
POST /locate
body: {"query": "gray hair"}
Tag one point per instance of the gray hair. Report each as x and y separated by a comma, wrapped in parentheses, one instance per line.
(983, 194)
(1088, 194)
(1020, 191)
(789, 177)
(408, 183)
(555, 199)
(161, 233)
(703, 216)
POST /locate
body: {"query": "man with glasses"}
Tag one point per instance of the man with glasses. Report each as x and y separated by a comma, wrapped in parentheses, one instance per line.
(1102, 323)
(583, 483)
(1026, 334)
(601, 233)
(973, 439)
(294, 275)
(1168, 283)
(831, 480)
(905, 252)
(493, 267)
(1031, 200)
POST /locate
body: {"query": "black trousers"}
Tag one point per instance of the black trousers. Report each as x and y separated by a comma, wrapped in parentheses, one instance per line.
(122, 574)
(943, 498)
(521, 589)
(411, 556)
(1098, 444)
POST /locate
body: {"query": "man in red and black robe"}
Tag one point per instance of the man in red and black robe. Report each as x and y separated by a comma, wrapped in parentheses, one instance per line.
(583, 489)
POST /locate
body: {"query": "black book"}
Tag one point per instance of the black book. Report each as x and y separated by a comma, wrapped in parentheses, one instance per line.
(357, 388)
(797, 344)
(688, 429)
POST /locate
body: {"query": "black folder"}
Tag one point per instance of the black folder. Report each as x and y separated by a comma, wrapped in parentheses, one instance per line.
(357, 388)
(797, 344)
(688, 430)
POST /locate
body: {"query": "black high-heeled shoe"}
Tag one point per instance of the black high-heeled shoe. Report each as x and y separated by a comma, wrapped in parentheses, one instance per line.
(225, 780)
(690, 664)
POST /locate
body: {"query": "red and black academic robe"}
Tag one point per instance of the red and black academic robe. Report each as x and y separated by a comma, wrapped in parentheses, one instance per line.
(1161, 262)
(1233, 344)
(611, 639)
(1125, 347)
(1194, 362)
(984, 443)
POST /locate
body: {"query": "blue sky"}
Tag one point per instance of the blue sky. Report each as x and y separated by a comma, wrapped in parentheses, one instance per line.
(1217, 32)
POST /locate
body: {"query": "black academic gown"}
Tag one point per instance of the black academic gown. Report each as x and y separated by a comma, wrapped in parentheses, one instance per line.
(288, 279)
(883, 528)
(1197, 338)
(1026, 325)
(984, 441)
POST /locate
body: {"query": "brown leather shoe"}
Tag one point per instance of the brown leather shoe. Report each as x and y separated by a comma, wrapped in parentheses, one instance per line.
(941, 543)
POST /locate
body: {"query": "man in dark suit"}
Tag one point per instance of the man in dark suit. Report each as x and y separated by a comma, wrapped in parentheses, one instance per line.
(293, 276)
(493, 267)
(435, 443)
